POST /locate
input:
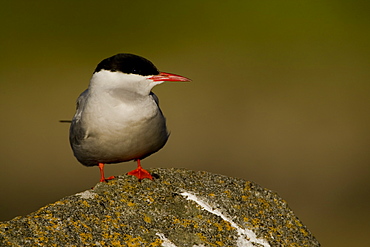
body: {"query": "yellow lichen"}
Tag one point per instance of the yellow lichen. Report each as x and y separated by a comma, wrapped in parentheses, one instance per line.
(116, 243)
(150, 199)
(85, 237)
(133, 241)
(147, 219)
(228, 226)
(157, 242)
(219, 226)
(186, 222)
(305, 233)
(204, 239)
(255, 221)
(228, 193)
(220, 243)
(165, 182)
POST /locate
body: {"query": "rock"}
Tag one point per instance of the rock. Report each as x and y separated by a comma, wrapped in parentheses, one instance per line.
(178, 208)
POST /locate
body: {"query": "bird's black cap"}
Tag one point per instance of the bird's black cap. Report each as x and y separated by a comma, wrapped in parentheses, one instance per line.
(129, 64)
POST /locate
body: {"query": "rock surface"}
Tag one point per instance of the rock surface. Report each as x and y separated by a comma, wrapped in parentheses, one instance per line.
(178, 208)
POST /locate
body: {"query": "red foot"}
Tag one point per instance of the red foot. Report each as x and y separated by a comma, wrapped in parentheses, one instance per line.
(102, 178)
(140, 173)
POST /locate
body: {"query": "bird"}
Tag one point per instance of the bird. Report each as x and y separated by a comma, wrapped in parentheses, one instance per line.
(117, 117)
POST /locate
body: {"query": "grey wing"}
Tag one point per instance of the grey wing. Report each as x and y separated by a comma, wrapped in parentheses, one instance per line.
(155, 98)
(76, 131)
(156, 101)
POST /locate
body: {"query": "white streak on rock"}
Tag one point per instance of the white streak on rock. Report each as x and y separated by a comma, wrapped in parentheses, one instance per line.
(86, 194)
(166, 242)
(246, 237)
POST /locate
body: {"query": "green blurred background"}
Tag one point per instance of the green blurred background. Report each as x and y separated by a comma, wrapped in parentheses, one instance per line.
(280, 96)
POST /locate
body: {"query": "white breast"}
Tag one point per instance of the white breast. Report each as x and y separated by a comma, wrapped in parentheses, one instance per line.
(120, 126)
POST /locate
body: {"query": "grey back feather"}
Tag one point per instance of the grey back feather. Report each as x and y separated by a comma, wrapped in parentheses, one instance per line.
(77, 132)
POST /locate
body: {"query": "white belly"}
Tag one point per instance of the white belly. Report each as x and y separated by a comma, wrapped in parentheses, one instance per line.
(116, 131)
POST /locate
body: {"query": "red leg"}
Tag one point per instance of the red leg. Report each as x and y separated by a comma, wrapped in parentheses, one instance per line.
(102, 177)
(139, 172)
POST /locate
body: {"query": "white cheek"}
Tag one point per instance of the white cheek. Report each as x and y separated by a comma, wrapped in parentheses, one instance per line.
(106, 81)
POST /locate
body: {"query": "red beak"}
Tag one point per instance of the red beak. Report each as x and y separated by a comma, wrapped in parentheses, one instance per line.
(168, 77)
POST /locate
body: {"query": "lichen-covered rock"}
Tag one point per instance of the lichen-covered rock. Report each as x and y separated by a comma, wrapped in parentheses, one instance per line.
(178, 208)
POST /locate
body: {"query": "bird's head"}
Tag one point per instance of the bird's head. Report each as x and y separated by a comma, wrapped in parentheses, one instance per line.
(131, 73)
